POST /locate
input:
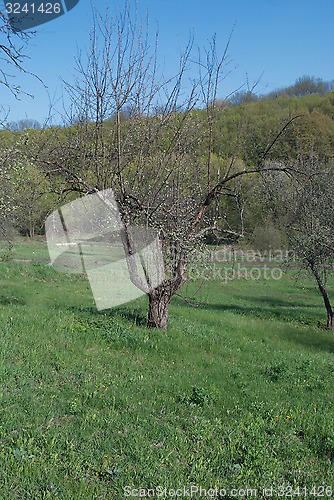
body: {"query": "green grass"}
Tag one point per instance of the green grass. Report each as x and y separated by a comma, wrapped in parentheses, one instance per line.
(238, 393)
(26, 249)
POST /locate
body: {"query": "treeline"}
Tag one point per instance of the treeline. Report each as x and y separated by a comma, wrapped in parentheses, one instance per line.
(242, 132)
(304, 85)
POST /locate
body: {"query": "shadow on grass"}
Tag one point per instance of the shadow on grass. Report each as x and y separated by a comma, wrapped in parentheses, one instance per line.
(134, 315)
(319, 338)
(12, 301)
(323, 340)
(268, 308)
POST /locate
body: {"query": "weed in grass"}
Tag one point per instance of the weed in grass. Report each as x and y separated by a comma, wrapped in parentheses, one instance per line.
(197, 396)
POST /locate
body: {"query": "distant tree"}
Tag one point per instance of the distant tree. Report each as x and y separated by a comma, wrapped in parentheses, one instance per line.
(304, 85)
(24, 124)
(307, 85)
(243, 97)
(34, 201)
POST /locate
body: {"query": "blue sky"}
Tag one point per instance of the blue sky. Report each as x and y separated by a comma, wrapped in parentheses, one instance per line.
(278, 39)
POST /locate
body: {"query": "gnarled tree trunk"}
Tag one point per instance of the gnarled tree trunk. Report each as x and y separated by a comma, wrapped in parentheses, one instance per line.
(158, 302)
(160, 297)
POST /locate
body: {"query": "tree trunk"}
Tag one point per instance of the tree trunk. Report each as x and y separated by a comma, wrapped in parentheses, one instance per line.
(160, 297)
(158, 302)
(322, 289)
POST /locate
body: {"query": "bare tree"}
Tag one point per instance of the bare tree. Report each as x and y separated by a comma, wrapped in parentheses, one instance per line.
(149, 155)
(12, 53)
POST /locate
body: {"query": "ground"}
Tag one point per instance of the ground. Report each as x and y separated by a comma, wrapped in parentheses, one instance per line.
(238, 393)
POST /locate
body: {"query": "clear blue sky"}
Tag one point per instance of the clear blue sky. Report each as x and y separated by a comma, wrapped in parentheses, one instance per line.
(283, 39)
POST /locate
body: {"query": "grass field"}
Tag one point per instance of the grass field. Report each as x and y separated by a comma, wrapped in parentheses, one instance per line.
(237, 394)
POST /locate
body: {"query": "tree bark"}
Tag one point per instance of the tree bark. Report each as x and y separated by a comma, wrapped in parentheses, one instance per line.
(322, 289)
(160, 297)
(158, 302)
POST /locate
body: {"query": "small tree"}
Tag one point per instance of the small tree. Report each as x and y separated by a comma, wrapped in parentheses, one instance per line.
(311, 227)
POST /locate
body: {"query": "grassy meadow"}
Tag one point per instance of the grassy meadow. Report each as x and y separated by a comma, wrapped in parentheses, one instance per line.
(238, 393)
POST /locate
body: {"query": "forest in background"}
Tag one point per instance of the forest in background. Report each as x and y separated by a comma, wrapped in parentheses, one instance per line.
(243, 127)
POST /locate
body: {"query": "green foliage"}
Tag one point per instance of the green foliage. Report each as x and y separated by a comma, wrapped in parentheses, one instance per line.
(6, 251)
(267, 237)
(34, 201)
(241, 133)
